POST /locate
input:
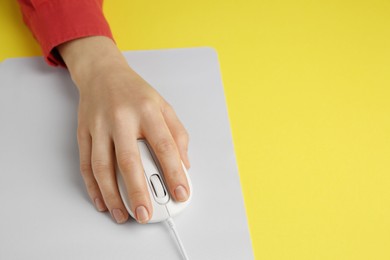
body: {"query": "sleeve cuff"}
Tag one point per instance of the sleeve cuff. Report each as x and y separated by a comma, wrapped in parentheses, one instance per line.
(58, 21)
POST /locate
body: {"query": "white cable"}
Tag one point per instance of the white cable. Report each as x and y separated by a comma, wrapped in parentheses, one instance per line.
(172, 226)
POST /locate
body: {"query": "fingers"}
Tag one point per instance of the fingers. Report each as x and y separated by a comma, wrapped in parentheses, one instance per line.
(179, 134)
(159, 137)
(104, 171)
(129, 162)
(84, 141)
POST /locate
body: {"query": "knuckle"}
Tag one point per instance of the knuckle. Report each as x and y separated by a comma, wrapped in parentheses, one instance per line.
(137, 196)
(174, 174)
(98, 127)
(183, 136)
(82, 133)
(111, 198)
(126, 161)
(92, 188)
(119, 115)
(85, 169)
(167, 107)
(100, 167)
(149, 106)
(165, 146)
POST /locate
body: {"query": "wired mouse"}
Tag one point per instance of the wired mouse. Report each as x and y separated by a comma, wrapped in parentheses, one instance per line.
(164, 207)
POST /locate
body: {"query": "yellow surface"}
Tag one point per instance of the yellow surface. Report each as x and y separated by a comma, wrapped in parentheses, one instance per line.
(308, 91)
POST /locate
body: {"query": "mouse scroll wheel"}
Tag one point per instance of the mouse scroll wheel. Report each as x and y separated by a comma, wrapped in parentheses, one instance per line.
(157, 186)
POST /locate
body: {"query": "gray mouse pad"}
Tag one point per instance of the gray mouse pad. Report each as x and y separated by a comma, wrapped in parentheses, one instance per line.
(45, 211)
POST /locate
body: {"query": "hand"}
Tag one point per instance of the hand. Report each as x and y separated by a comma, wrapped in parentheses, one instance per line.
(116, 108)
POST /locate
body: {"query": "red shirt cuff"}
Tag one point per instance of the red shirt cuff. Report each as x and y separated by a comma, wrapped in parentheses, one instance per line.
(57, 21)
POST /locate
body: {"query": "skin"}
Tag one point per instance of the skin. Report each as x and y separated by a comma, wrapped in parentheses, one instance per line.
(116, 108)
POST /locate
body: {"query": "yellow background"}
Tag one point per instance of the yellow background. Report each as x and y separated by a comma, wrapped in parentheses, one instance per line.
(308, 92)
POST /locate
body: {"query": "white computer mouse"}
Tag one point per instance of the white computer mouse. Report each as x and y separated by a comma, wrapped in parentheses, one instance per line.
(164, 206)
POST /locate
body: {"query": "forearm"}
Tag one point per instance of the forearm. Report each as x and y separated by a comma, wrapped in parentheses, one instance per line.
(55, 22)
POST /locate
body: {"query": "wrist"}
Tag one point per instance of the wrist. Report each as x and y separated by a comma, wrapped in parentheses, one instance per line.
(90, 57)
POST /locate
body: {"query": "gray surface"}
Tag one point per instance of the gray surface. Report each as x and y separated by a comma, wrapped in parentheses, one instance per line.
(45, 212)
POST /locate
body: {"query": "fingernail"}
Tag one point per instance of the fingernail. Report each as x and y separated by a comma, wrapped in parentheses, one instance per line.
(118, 215)
(142, 214)
(181, 193)
(99, 205)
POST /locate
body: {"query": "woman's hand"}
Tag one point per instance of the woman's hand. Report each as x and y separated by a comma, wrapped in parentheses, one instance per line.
(116, 108)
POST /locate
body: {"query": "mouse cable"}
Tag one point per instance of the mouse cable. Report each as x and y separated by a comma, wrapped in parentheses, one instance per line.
(172, 226)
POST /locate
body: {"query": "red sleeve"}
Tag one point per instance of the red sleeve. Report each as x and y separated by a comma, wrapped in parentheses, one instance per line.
(53, 22)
